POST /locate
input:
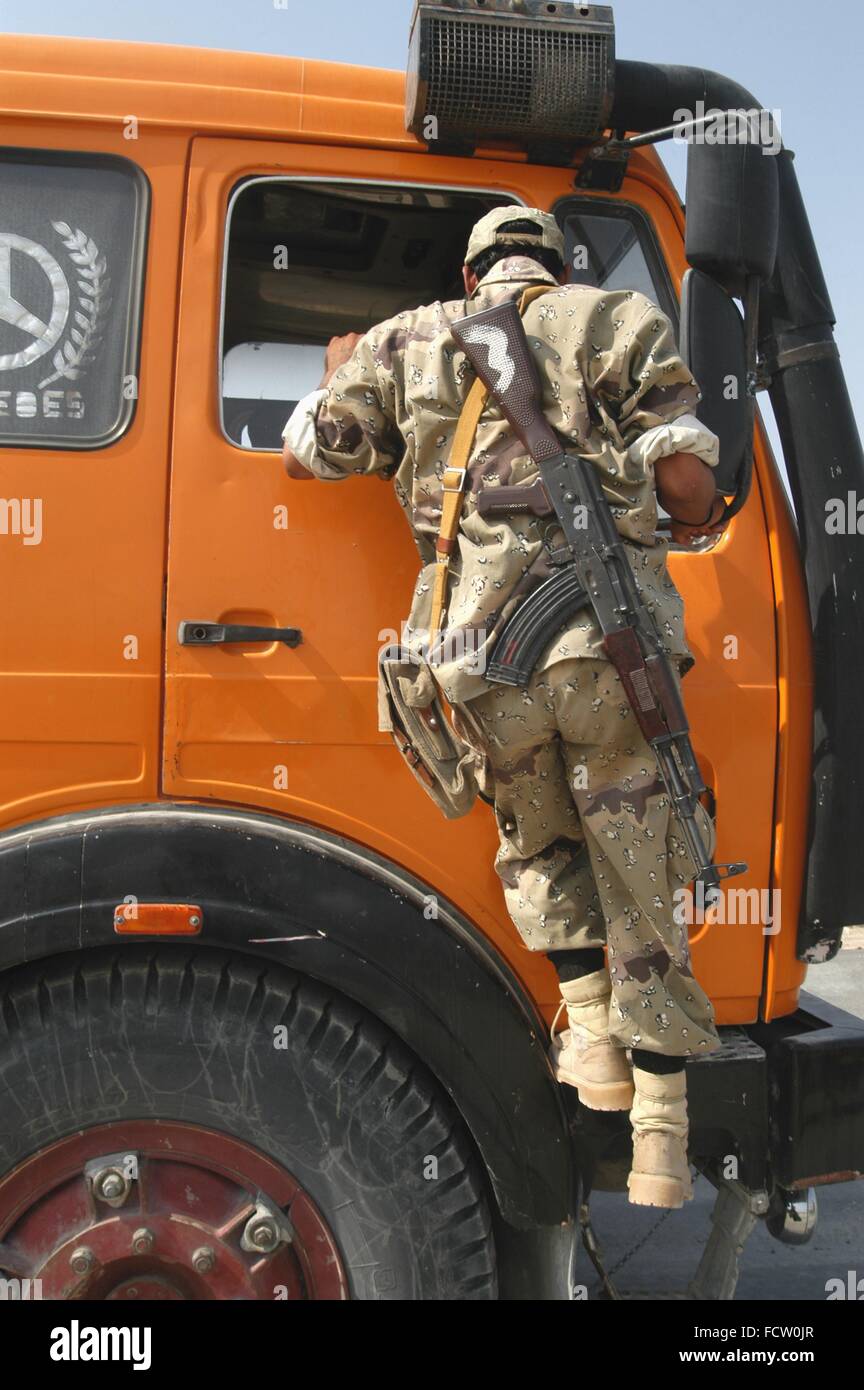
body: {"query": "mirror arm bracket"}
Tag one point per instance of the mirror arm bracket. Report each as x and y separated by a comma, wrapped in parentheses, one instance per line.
(604, 167)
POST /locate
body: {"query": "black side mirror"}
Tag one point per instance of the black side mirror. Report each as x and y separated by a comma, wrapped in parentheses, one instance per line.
(733, 213)
(713, 345)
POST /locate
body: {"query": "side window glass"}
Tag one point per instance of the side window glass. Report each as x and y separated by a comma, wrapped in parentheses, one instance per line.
(308, 259)
(611, 247)
(72, 238)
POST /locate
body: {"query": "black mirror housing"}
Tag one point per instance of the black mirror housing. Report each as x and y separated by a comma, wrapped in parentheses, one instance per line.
(733, 213)
(713, 345)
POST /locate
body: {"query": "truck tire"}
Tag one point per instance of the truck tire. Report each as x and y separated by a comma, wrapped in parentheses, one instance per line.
(213, 1083)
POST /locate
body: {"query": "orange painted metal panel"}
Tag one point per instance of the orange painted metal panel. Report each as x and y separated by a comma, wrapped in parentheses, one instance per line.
(784, 973)
(80, 704)
(294, 732)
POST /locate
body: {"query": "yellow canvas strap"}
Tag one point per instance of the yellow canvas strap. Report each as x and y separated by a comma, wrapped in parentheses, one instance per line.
(535, 292)
(455, 482)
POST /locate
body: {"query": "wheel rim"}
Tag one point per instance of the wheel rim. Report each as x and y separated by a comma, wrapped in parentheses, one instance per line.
(151, 1210)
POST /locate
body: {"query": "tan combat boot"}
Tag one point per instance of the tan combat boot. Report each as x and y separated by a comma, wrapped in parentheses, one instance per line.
(584, 1056)
(660, 1176)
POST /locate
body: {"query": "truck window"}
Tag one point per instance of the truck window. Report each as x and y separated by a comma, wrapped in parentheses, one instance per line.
(612, 246)
(307, 260)
(72, 237)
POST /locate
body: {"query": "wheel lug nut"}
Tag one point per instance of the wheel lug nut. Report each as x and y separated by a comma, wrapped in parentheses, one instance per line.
(110, 1178)
(263, 1235)
(110, 1185)
(204, 1259)
(267, 1229)
(82, 1259)
(142, 1241)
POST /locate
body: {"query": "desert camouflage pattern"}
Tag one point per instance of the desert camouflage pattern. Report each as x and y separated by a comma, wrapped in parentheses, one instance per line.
(590, 854)
(590, 851)
(611, 371)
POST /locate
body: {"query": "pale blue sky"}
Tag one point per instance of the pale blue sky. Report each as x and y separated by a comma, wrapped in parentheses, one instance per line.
(802, 58)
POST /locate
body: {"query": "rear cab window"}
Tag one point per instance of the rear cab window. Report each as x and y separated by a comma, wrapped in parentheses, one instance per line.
(72, 246)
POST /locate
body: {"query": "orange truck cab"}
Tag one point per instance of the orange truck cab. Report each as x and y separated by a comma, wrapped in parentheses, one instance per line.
(266, 1030)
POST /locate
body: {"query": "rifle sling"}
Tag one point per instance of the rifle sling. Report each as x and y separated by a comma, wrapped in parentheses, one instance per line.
(455, 482)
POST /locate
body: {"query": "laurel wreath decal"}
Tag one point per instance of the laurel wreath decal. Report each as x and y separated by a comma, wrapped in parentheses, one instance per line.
(93, 283)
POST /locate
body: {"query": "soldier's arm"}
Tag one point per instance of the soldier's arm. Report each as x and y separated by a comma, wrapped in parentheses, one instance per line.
(348, 426)
(655, 412)
(339, 352)
(294, 468)
(687, 491)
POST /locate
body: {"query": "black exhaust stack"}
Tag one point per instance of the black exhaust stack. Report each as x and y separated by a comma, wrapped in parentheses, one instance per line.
(822, 449)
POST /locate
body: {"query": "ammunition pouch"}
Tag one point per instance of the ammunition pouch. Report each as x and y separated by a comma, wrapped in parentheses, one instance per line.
(437, 752)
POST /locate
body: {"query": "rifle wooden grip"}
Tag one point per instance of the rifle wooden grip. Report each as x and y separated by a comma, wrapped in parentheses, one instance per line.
(530, 500)
(625, 653)
(669, 695)
(496, 346)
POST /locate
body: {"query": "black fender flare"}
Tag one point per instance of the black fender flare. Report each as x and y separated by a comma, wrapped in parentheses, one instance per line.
(267, 888)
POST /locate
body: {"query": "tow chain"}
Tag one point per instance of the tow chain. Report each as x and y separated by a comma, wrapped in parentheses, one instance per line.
(625, 1259)
(592, 1249)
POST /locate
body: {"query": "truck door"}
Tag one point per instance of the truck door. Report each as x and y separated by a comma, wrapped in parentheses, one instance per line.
(292, 729)
(286, 245)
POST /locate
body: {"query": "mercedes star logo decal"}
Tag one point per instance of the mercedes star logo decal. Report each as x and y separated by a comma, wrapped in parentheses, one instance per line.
(44, 335)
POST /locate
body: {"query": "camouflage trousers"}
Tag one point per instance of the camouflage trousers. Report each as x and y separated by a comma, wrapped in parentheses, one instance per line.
(591, 853)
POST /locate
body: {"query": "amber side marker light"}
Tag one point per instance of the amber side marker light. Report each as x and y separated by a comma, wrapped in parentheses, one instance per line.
(157, 919)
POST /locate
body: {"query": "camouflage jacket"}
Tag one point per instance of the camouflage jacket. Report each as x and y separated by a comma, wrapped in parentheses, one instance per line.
(613, 386)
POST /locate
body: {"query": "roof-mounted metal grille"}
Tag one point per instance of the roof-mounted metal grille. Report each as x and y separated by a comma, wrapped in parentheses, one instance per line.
(520, 70)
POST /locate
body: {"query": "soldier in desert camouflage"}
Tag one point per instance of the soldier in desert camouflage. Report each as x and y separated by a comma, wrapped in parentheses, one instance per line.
(590, 852)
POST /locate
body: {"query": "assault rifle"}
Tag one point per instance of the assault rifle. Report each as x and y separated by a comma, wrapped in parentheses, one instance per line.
(593, 572)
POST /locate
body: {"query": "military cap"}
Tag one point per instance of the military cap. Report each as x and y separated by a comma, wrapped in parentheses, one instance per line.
(491, 231)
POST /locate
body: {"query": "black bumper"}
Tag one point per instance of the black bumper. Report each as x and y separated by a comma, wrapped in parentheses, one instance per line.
(816, 1092)
(791, 1096)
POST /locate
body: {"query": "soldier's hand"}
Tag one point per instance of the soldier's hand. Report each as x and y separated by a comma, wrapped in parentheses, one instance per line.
(688, 535)
(339, 351)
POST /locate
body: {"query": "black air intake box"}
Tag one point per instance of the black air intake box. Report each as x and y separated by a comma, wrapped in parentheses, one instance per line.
(530, 71)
